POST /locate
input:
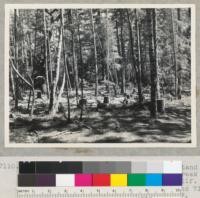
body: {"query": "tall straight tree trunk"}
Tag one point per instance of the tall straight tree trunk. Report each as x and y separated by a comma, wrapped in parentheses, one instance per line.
(67, 68)
(138, 50)
(95, 53)
(67, 91)
(16, 56)
(50, 62)
(12, 83)
(179, 69)
(108, 53)
(31, 53)
(53, 95)
(46, 54)
(143, 59)
(174, 52)
(33, 96)
(66, 74)
(137, 73)
(60, 93)
(119, 51)
(123, 85)
(81, 62)
(155, 51)
(117, 36)
(75, 67)
(153, 62)
(35, 39)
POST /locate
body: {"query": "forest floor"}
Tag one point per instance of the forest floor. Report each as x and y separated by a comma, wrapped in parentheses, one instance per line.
(118, 123)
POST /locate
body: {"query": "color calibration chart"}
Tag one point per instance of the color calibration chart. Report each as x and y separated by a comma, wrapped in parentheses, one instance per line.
(105, 174)
(99, 177)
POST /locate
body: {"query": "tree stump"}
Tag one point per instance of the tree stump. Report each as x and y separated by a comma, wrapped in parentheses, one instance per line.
(106, 100)
(161, 105)
(39, 94)
(82, 103)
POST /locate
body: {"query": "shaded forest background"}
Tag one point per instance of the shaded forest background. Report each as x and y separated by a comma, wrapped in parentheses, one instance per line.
(100, 75)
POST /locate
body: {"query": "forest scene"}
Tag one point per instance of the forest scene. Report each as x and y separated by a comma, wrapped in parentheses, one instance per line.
(100, 75)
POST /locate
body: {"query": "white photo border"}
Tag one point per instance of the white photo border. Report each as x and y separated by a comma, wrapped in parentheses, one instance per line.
(193, 143)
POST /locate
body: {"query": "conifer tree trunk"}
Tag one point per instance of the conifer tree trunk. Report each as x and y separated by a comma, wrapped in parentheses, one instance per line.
(117, 36)
(95, 53)
(138, 50)
(107, 53)
(66, 74)
(174, 46)
(12, 82)
(46, 54)
(53, 95)
(123, 85)
(137, 73)
(75, 67)
(179, 69)
(16, 56)
(67, 92)
(50, 62)
(155, 51)
(82, 66)
(153, 62)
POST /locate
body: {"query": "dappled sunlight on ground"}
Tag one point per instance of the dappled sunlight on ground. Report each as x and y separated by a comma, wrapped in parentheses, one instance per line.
(119, 124)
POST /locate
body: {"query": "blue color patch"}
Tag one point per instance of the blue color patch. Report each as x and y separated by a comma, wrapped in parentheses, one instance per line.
(153, 179)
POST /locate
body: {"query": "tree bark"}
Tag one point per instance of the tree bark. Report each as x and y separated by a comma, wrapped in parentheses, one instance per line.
(179, 71)
(138, 52)
(155, 51)
(153, 62)
(95, 53)
(46, 54)
(66, 73)
(143, 59)
(123, 85)
(50, 62)
(29, 99)
(12, 83)
(31, 85)
(107, 53)
(117, 36)
(81, 63)
(68, 99)
(16, 56)
(57, 74)
(60, 94)
(137, 73)
(174, 46)
(76, 81)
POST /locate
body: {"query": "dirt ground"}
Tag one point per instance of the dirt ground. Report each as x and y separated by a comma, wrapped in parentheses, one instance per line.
(118, 123)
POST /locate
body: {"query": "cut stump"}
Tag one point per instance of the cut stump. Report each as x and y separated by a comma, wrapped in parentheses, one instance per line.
(106, 100)
(161, 106)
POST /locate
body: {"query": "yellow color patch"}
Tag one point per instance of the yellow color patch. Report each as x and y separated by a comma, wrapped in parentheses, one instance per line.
(118, 179)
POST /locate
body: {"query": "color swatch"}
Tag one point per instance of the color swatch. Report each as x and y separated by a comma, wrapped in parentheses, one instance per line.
(83, 174)
(137, 179)
(154, 179)
(83, 180)
(118, 179)
(63, 179)
(101, 180)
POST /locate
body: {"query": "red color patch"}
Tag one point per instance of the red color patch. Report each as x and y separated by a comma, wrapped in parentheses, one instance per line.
(101, 179)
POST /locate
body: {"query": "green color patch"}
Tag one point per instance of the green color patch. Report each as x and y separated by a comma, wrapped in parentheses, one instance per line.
(136, 180)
